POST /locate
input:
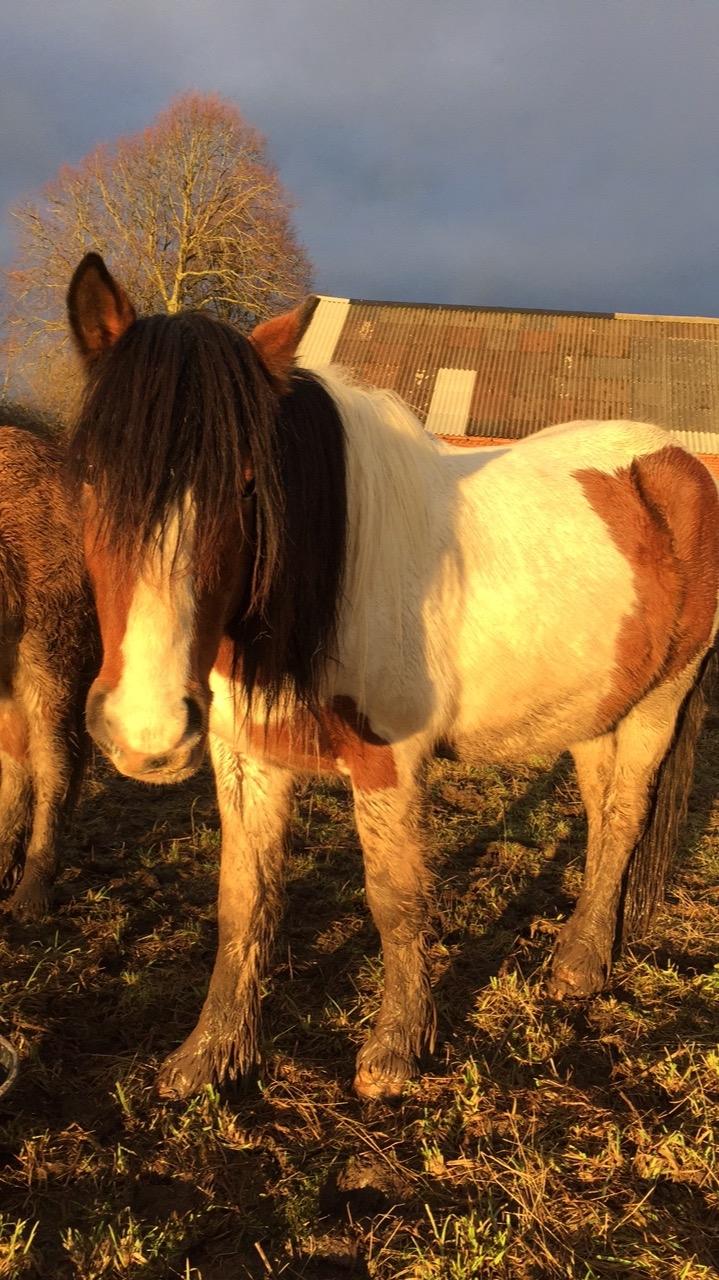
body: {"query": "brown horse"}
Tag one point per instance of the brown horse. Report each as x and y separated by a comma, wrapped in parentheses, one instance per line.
(47, 656)
(288, 567)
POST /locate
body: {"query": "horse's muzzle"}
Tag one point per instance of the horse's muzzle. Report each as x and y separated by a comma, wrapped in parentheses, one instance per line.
(174, 765)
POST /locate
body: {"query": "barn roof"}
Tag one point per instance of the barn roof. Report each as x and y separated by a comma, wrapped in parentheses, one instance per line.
(502, 374)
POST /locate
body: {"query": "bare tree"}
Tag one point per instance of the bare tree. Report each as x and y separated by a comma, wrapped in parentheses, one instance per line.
(188, 213)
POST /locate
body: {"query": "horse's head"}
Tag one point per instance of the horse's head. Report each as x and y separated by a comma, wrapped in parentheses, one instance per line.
(161, 630)
(176, 449)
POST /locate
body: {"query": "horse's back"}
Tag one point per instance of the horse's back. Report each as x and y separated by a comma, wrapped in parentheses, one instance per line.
(39, 522)
(47, 634)
(592, 554)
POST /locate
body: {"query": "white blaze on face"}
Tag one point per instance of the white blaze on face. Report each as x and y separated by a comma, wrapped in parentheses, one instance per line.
(147, 707)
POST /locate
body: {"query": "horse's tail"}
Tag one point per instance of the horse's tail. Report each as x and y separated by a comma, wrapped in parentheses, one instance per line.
(646, 876)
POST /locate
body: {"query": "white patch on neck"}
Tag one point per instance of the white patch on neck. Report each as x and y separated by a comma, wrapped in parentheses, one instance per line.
(148, 706)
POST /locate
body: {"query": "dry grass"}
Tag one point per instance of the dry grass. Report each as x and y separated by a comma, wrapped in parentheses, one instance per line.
(545, 1140)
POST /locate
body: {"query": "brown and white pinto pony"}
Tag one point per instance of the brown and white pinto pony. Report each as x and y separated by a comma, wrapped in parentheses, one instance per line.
(287, 567)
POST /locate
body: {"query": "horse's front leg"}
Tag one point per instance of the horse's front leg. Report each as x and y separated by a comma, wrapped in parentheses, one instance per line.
(254, 799)
(398, 889)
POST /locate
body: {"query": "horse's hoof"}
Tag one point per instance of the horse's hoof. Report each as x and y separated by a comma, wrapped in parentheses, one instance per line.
(578, 970)
(178, 1078)
(30, 901)
(206, 1058)
(368, 1084)
(184, 1072)
(382, 1072)
(173, 1085)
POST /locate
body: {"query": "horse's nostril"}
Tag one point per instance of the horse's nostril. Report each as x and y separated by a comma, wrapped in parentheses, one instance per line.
(95, 717)
(195, 718)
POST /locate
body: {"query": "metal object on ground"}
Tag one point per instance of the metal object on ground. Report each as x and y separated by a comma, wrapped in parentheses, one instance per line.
(8, 1067)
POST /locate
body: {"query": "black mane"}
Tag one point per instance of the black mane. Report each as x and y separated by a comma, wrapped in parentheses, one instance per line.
(182, 403)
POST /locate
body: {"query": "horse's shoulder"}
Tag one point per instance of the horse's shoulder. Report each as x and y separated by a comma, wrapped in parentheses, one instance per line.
(22, 443)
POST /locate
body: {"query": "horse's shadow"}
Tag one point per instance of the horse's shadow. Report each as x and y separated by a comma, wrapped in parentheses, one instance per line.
(477, 958)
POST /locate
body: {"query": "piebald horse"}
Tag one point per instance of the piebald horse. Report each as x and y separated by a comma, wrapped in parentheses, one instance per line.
(288, 568)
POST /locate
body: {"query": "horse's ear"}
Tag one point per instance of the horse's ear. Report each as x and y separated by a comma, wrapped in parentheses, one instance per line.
(98, 308)
(276, 340)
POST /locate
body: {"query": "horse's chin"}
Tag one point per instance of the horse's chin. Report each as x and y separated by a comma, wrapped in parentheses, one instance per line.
(175, 767)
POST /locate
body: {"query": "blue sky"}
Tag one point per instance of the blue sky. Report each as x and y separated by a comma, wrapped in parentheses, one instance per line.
(548, 153)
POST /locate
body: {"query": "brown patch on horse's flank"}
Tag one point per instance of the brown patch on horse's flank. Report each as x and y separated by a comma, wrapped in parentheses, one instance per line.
(682, 490)
(663, 515)
(338, 740)
(13, 731)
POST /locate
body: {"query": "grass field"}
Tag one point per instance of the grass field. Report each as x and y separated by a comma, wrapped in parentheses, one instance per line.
(545, 1140)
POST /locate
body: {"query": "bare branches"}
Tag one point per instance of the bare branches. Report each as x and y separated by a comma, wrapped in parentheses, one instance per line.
(189, 213)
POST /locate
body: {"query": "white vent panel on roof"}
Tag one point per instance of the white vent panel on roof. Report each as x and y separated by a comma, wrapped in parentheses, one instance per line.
(322, 334)
(451, 400)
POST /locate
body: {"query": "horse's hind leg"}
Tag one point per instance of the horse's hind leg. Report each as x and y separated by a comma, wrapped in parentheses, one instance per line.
(54, 774)
(398, 890)
(15, 798)
(616, 774)
(254, 799)
(56, 751)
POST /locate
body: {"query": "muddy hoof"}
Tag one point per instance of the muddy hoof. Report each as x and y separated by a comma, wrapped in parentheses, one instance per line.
(383, 1072)
(182, 1074)
(205, 1058)
(579, 969)
(31, 900)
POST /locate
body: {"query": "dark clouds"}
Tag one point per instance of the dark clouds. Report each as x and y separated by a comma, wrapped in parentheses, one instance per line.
(515, 152)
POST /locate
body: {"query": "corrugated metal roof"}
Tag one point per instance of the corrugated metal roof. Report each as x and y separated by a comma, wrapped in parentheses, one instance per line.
(536, 367)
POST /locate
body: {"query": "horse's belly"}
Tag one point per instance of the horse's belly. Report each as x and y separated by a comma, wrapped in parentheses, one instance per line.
(540, 698)
(543, 730)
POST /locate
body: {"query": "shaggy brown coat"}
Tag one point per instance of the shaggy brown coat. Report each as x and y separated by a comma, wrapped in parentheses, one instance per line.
(47, 658)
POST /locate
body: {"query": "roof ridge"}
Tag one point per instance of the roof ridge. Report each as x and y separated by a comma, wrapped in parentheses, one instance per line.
(520, 311)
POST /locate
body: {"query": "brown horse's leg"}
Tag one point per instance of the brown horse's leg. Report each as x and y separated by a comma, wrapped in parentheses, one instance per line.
(616, 775)
(15, 797)
(254, 799)
(51, 708)
(398, 889)
(56, 760)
